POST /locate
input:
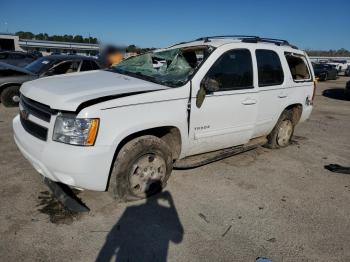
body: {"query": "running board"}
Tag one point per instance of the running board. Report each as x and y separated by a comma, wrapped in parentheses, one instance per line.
(66, 196)
(206, 158)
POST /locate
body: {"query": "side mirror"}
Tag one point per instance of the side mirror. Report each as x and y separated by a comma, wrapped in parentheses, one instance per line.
(207, 86)
(49, 73)
(210, 85)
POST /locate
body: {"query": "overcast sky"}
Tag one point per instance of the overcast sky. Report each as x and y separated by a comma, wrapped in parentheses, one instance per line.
(308, 24)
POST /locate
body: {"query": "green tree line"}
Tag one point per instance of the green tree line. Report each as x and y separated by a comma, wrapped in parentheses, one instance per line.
(331, 53)
(58, 38)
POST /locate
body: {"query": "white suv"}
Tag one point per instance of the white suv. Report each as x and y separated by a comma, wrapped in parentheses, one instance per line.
(126, 127)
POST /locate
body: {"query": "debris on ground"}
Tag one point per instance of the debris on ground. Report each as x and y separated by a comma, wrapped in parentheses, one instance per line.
(272, 240)
(338, 168)
(228, 229)
(203, 217)
(57, 213)
(263, 259)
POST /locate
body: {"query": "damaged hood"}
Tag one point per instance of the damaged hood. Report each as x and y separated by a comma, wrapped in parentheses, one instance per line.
(5, 66)
(67, 92)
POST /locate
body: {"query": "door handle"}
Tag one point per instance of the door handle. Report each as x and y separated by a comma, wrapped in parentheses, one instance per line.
(249, 101)
(282, 94)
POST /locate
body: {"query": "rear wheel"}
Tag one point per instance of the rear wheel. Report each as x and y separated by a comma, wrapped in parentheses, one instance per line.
(141, 169)
(10, 96)
(282, 133)
(325, 77)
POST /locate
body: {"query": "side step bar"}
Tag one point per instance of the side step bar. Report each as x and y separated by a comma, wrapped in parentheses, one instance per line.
(206, 158)
(66, 196)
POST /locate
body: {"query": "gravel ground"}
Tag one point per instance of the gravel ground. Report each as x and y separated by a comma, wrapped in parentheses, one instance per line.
(280, 204)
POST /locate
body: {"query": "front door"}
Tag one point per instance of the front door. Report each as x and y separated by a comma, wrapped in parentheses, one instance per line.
(227, 116)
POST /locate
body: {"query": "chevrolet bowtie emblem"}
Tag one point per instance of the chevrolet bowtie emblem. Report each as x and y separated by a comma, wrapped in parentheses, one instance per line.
(24, 114)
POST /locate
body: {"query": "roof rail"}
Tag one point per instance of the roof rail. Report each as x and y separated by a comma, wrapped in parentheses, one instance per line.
(249, 39)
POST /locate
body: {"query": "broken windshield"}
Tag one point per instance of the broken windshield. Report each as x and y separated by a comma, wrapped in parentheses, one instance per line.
(172, 67)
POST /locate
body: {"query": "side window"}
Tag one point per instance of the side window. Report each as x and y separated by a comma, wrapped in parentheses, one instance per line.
(298, 67)
(86, 66)
(16, 56)
(233, 70)
(270, 70)
(66, 67)
(94, 65)
(89, 65)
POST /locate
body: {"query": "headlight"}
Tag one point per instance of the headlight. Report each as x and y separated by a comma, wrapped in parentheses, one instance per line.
(75, 131)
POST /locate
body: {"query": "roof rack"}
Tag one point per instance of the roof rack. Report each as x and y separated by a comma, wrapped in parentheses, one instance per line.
(249, 39)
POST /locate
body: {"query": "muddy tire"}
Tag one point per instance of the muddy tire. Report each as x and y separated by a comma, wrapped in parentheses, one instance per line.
(325, 77)
(10, 96)
(141, 169)
(282, 133)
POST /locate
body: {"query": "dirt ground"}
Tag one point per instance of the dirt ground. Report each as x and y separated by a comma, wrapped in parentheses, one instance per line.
(280, 204)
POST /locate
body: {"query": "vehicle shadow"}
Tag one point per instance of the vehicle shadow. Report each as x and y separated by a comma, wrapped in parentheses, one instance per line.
(336, 93)
(143, 232)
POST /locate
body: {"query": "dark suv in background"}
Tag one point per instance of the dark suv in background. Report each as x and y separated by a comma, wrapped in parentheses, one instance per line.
(12, 77)
(17, 58)
(325, 72)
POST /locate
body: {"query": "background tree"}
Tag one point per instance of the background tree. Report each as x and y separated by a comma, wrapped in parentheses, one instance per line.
(58, 38)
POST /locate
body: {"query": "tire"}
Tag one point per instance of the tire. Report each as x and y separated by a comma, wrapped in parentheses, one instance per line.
(141, 169)
(282, 133)
(10, 96)
(325, 77)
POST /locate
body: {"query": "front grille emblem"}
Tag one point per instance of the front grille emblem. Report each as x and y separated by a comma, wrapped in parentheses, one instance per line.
(24, 114)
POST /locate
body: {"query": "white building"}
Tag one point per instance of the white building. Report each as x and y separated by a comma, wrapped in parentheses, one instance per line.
(12, 42)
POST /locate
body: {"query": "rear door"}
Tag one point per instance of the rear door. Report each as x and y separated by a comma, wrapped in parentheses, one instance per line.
(226, 117)
(272, 91)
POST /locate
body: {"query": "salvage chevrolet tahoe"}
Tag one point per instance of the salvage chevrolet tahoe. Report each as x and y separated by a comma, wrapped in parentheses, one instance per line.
(124, 129)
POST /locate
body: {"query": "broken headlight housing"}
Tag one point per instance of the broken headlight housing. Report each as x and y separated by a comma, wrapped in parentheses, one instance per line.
(75, 131)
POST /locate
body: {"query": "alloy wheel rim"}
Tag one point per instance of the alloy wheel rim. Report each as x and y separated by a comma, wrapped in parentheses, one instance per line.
(15, 98)
(147, 173)
(285, 132)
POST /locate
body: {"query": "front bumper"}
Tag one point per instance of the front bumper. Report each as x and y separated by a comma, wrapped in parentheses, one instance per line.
(76, 166)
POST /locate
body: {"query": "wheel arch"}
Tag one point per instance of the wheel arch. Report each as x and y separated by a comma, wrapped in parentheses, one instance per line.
(170, 134)
(297, 110)
(3, 86)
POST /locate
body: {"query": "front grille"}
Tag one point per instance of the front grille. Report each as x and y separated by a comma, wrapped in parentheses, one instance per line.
(34, 129)
(37, 109)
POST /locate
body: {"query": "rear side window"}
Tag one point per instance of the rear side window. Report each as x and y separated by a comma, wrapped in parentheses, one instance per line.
(270, 70)
(86, 66)
(233, 70)
(89, 65)
(94, 65)
(298, 67)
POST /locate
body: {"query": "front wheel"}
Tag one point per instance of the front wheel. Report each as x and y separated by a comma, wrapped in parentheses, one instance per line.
(282, 133)
(141, 169)
(10, 96)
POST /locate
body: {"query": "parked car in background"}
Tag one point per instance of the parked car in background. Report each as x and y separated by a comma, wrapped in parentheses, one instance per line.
(347, 71)
(12, 77)
(325, 72)
(17, 58)
(124, 128)
(35, 53)
(340, 65)
(347, 89)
